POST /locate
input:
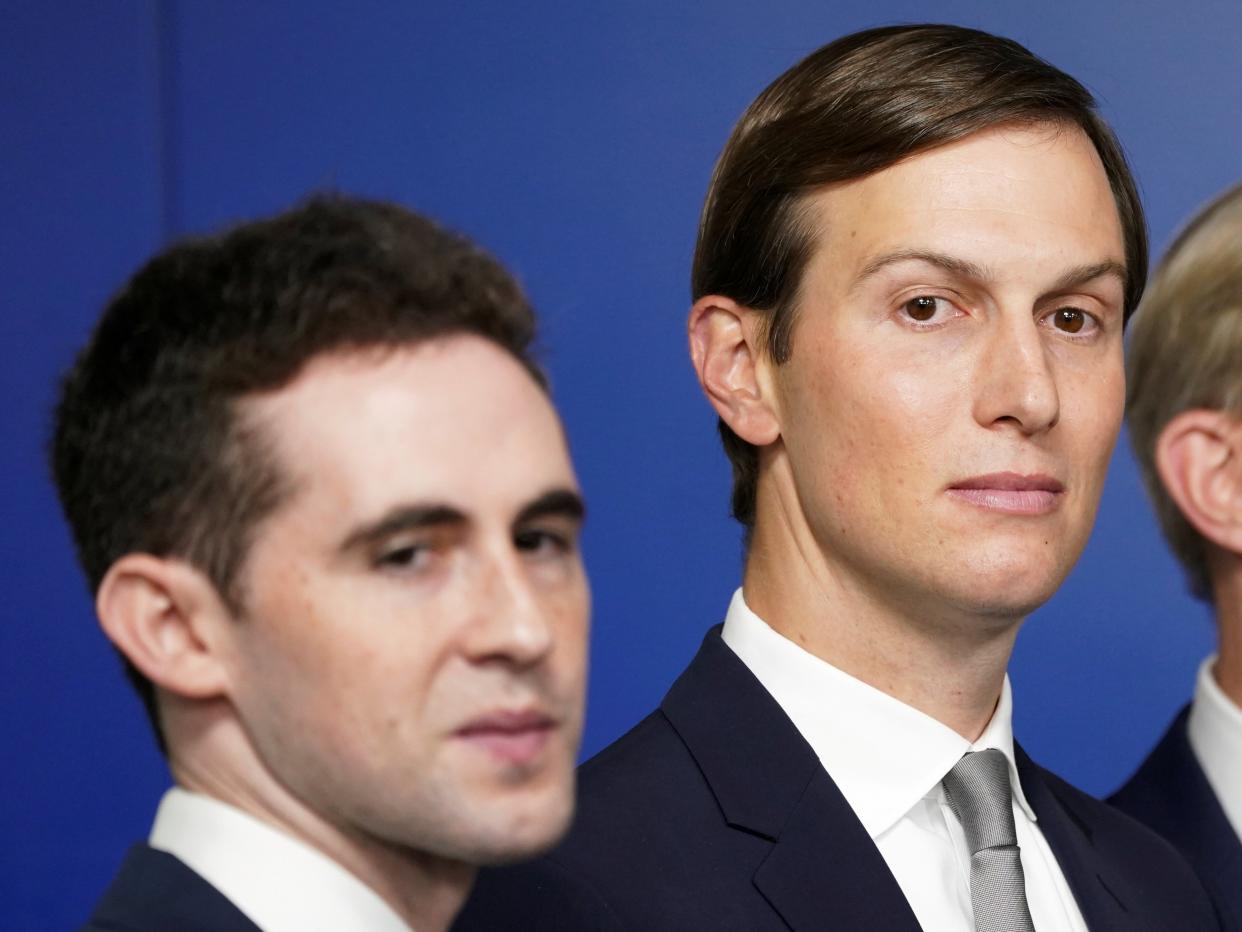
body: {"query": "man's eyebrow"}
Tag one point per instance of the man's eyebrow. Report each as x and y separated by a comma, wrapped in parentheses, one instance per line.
(962, 267)
(1079, 275)
(1085, 273)
(565, 503)
(561, 502)
(404, 518)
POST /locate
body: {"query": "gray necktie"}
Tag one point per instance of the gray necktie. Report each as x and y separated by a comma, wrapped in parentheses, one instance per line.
(978, 791)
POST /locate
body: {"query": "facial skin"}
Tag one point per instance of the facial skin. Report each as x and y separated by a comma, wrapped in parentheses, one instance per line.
(409, 668)
(932, 454)
(935, 347)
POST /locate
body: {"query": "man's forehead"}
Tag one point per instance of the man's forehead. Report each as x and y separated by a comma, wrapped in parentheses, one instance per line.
(416, 423)
(423, 384)
(978, 193)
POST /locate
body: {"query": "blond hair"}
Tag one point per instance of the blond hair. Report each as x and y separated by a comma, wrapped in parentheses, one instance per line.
(1185, 352)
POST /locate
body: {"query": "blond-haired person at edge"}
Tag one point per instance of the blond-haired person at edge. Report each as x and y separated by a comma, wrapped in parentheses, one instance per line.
(1184, 409)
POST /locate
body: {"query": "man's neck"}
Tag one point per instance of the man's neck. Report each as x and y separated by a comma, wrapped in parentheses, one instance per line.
(1227, 595)
(942, 661)
(424, 890)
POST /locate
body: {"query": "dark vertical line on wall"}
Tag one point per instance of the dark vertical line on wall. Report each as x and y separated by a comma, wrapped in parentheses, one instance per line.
(167, 112)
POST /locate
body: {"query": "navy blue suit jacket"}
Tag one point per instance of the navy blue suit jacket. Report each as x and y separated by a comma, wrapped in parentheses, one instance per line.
(1170, 793)
(155, 892)
(714, 813)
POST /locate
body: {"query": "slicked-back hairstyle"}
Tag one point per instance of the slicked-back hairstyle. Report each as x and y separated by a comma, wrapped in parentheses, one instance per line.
(1185, 352)
(854, 107)
(149, 451)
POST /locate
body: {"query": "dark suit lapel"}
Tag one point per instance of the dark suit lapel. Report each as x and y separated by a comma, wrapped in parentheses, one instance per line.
(1171, 794)
(823, 870)
(1100, 891)
(826, 872)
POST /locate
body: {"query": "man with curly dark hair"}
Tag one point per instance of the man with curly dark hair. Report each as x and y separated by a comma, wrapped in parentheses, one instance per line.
(327, 510)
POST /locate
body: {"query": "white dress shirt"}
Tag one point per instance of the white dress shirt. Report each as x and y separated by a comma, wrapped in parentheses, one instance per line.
(281, 884)
(888, 759)
(1215, 733)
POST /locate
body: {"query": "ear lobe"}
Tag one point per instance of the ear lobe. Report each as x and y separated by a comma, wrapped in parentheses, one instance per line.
(1199, 459)
(165, 616)
(732, 367)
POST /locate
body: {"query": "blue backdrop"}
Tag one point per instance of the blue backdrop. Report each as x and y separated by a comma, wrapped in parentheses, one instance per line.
(575, 140)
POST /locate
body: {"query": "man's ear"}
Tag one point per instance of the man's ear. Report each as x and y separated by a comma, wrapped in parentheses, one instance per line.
(167, 619)
(733, 367)
(1199, 459)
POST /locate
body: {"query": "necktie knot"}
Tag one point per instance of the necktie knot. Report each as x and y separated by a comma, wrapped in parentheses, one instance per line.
(978, 792)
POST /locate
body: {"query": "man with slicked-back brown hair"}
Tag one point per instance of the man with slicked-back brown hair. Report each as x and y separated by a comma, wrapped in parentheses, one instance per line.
(914, 265)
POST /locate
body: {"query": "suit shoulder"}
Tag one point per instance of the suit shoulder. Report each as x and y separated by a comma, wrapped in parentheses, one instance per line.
(643, 793)
(647, 751)
(538, 896)
(154, 891)
(1108, 825)
(1155, 874)
(1155, 792)
(1170, 793)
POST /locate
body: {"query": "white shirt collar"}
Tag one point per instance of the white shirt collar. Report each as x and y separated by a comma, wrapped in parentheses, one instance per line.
(1215, 734)
(884, 755)
(281, 884)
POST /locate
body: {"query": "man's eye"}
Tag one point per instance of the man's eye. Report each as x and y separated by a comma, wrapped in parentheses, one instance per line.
(1072, 320)
(923, 307)
(411, 556)
(542, 542)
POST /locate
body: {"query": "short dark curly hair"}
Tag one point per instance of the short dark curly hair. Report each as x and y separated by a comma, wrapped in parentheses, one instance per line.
(148, 453)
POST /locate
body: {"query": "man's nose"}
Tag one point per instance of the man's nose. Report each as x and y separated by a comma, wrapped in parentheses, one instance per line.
(509, 621)
(1016, 384)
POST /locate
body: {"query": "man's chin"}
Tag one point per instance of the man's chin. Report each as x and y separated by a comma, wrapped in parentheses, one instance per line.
(1007, 601)
(518, 830)
(1014, 578)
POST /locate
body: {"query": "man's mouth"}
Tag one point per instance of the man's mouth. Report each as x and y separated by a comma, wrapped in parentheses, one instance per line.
(512, 736)
(1010, 493)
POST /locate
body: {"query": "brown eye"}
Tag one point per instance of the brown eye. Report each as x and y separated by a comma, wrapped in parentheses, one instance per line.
(1069, 319)
(408, 557)
(922, 308)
